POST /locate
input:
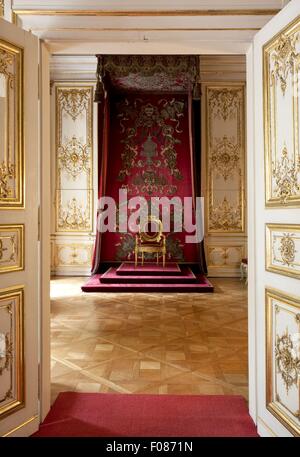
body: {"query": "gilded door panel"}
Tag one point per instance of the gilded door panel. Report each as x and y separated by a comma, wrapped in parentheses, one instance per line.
(19, 201)
(283, 358)
(11, 350)
(11, 247)
(11, 126)
(282, 86)
(283, 249)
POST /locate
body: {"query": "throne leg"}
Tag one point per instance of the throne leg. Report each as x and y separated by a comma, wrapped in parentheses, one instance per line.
(157, 258)
(135, 258)
(142, 258)
(164, 260)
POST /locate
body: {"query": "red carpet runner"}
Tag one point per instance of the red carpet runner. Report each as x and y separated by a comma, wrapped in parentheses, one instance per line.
(128, 415)
(148, 278)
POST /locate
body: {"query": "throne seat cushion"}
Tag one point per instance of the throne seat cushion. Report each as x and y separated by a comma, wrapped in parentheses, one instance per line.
(150, 244)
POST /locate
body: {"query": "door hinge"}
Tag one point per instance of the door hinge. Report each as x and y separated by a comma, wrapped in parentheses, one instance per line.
(39, 224)
(39, 380)
(39, 81)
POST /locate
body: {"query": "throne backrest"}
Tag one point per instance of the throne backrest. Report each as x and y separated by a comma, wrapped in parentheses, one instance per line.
(151, 230)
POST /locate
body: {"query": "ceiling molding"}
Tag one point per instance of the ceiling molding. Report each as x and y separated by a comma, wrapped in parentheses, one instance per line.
(208, 12)
(141, 29)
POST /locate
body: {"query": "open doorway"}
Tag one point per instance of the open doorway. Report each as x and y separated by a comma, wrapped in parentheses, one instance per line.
(167, 343)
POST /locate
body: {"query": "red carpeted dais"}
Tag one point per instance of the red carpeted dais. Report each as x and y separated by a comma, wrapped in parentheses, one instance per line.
(148, 278)
(128, 415)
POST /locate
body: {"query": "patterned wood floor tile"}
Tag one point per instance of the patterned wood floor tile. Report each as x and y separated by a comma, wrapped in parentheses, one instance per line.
(149, 343)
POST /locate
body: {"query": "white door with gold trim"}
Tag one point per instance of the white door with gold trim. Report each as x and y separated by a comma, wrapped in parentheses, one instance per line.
(19, 146)
(274, 224)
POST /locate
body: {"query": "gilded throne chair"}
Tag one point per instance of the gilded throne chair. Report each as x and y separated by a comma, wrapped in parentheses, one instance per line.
(150, 239)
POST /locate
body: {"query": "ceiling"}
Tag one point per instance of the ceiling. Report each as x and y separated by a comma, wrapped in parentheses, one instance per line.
(143, 26)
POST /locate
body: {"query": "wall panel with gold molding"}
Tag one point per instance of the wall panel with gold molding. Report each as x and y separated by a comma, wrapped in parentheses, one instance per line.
(74, 162)
(223, 166)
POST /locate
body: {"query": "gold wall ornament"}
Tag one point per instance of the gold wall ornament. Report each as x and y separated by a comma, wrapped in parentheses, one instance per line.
(7, 174)
(2, 249)
(287, 249)
(281, 88)
(11, 350)
(225, 157)
(220, 256)
(11, 247)
(11, 128)
(287, 361)
(74, 100)
(283, 358)
(6, 62)
(7, 355)
(223, 103)
(286, 172)
(71, 254)
(283, 249)
(225, 217)
(74, 157)
(73, 216)
(285, 56)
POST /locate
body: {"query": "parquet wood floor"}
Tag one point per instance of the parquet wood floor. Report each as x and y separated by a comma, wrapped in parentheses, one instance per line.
(149, 343)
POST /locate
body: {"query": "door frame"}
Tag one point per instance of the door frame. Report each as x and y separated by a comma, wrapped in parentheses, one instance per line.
(255, 193)
(252, 192)
(44, 229)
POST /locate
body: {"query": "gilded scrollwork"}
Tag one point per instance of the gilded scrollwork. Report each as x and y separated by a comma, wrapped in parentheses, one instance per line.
(7, 173)
(287, 249)
(283, 358)
(6, 356)
(73, 254)
(6, 61)
(285, 173)
(6, 353)
(225, 157)
(11, 247)
(284, 57)
(225, 217)
(224, 102)
(2, 249)
(281, 117)
(287, 360)
(11, 131)
(74, 100)
(73, 217)
(74, 157)
(283, 249)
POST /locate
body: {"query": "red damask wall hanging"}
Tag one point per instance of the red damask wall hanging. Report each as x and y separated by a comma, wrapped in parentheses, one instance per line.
(149, 154)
